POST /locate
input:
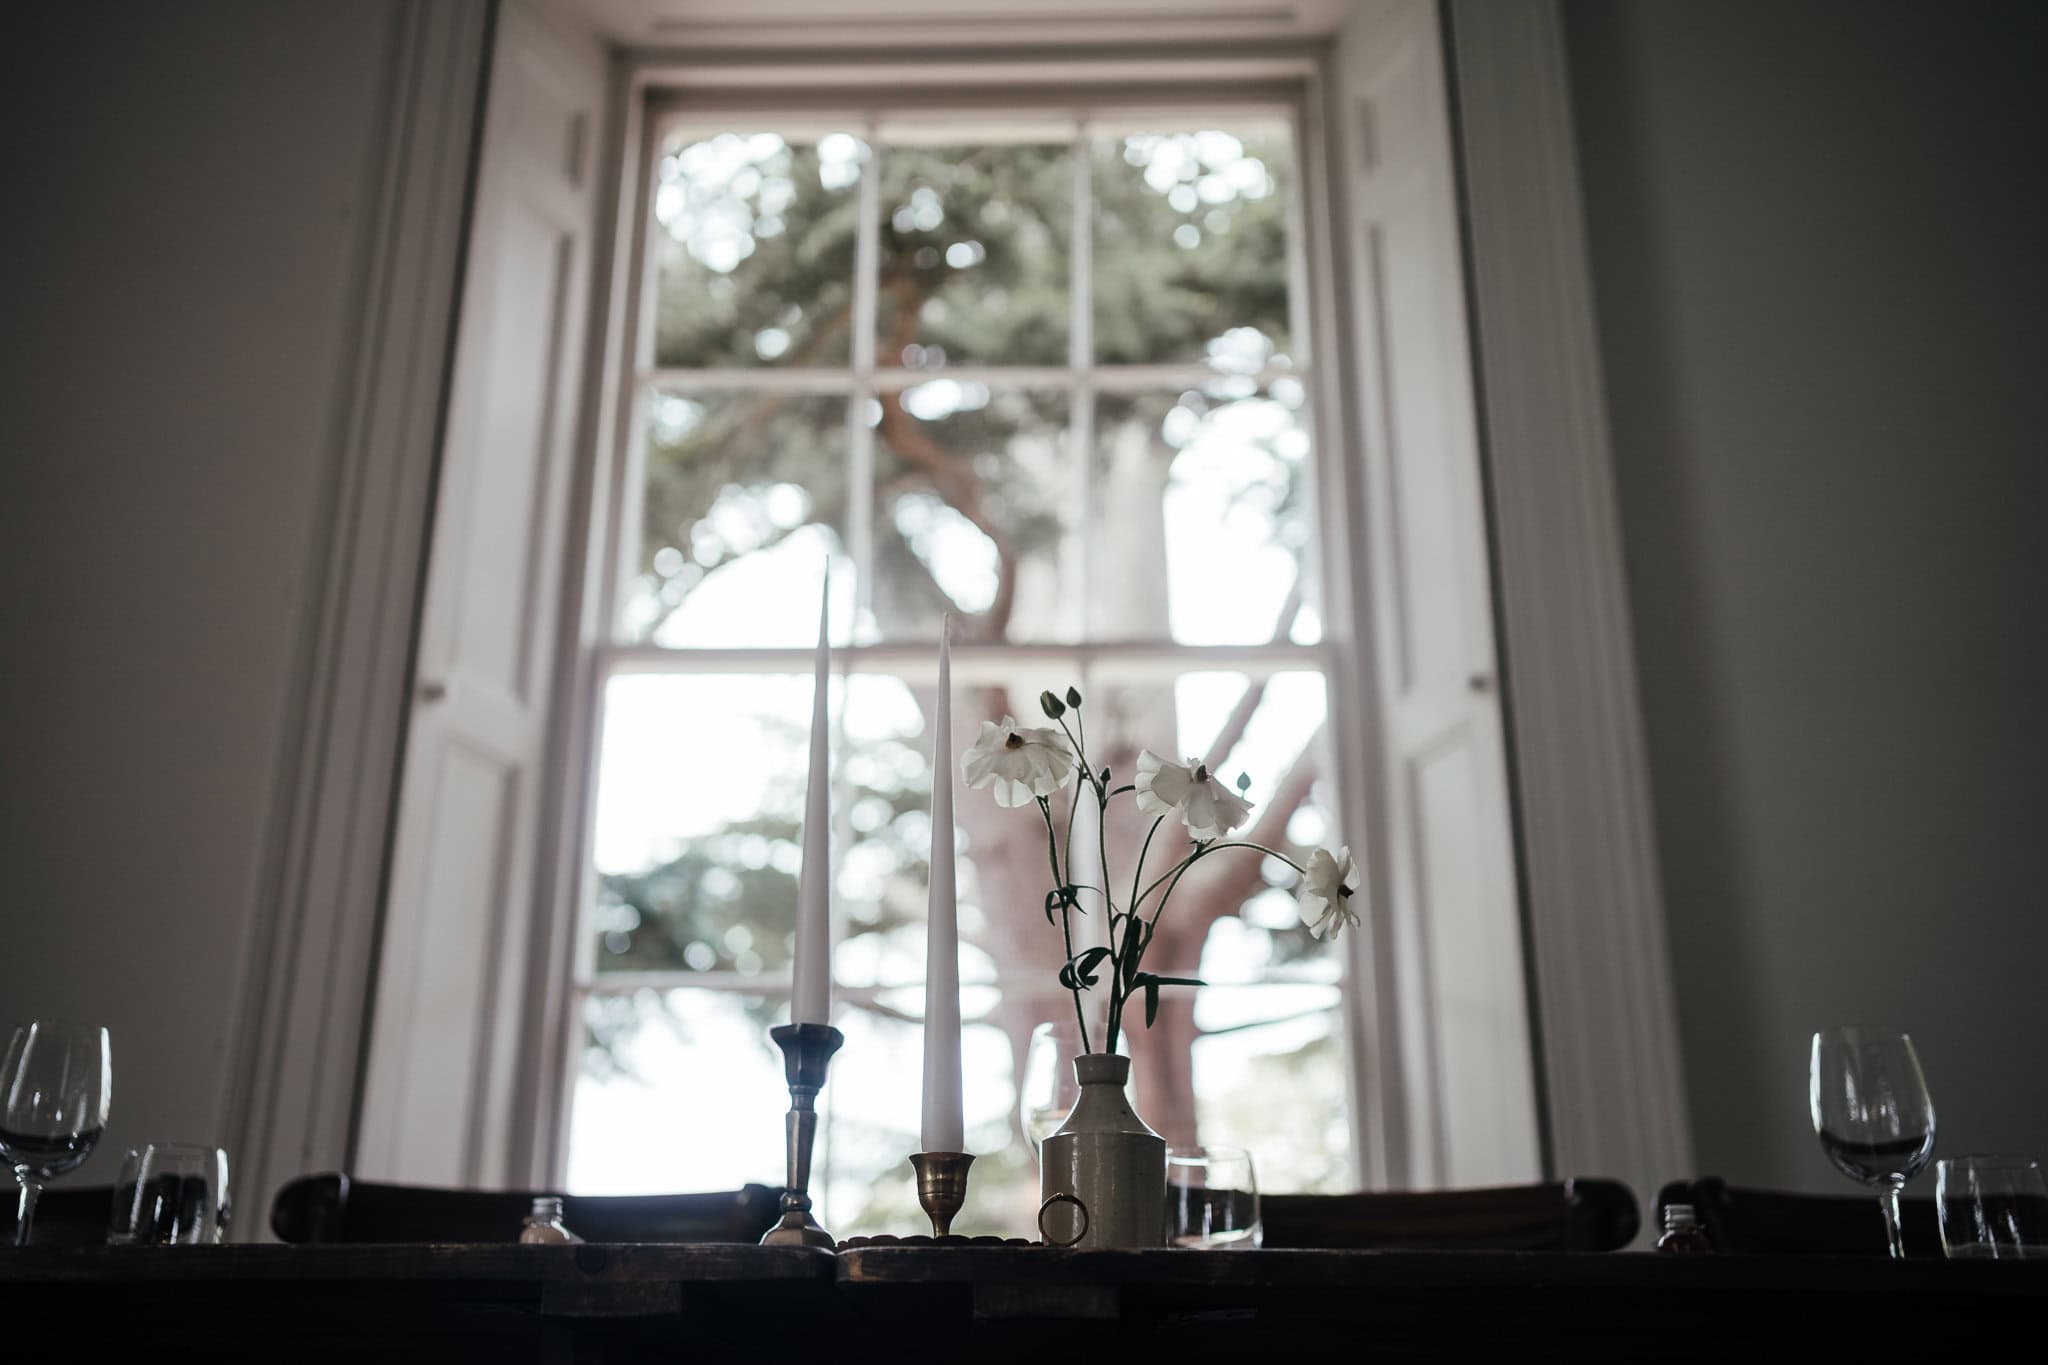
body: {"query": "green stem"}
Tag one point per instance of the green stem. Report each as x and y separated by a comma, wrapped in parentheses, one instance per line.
(1081, 756)
(1052, 851)
(1204, 851)
(1138, 872)
(1108, 909)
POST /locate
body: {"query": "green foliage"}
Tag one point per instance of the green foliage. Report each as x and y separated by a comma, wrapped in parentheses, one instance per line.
(755, 268)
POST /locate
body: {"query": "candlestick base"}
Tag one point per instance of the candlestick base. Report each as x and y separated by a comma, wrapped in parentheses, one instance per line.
(806, 1053)
(941, 1186)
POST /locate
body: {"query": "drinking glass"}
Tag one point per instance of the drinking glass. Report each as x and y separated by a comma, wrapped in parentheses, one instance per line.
(55, 1087)
(1871, 1112)
(1212, 1198)
(121, 1218)
(1992, 1207)
(180, 1196)
(1048, 1090)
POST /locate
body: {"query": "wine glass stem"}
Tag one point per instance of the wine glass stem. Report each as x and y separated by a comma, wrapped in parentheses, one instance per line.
(1890, 1201)
(25, 1213)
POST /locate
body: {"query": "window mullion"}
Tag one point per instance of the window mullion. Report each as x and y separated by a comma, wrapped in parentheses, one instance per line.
(1080, 363)
(860, 435)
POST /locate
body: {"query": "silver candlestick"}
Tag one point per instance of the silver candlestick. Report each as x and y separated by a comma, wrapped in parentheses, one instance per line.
(806, 1052)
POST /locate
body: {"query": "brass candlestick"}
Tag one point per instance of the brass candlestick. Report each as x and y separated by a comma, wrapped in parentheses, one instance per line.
(941, 1186)
(806, 1052)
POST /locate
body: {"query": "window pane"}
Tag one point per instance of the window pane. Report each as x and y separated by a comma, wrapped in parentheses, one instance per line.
(974, 255)
(873, 1106)
(699, 822)
(678, 1090)
(745, 494)
(1227, 557)
(974, 492)
(1191, 251)
(753, 259)
(699, 842)
(1285, 1043)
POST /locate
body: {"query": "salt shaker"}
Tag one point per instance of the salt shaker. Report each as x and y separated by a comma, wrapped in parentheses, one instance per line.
(544, 1226)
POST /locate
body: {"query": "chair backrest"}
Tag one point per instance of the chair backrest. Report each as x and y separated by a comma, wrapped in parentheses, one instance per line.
(1574, 1215)
(338, 1208)
(66, 1216)
(1775, 1223)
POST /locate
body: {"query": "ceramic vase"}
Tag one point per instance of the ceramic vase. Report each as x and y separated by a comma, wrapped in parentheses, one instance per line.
(1103, 1180)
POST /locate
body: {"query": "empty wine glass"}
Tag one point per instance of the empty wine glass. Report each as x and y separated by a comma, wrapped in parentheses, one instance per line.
(1047, 1090)
(55, 1087)
(1047, 1093)
(1872, 1113)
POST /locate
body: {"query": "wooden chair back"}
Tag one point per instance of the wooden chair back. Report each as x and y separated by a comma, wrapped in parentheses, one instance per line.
(338, 1208)
(1776, 1223)
(1572, 1215)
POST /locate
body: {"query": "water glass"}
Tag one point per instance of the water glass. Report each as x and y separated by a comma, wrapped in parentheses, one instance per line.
(1212, 1198)
(121, 1221)
(1992, 1208)
(178, 1196)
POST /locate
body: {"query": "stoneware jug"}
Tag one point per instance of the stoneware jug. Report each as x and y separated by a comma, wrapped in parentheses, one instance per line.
(1104, 1177)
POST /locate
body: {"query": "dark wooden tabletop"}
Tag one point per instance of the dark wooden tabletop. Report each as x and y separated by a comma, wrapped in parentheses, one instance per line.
(663, 1302)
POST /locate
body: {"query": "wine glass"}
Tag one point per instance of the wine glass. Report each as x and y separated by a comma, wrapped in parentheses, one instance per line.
(1872, 1113)
(55, 1086)
(1048, 1090)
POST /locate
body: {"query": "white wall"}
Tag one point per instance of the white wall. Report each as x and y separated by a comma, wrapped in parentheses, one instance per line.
(182, 218)
(1818, 233)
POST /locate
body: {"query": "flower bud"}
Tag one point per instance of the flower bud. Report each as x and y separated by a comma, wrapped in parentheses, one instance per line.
(1073, 696)
(1051, 705)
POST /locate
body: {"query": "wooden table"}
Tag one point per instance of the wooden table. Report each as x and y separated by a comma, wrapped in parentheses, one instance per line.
(509, 1303)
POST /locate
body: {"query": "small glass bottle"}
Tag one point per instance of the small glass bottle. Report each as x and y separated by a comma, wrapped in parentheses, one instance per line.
(544, 1226)
(1683, 1235)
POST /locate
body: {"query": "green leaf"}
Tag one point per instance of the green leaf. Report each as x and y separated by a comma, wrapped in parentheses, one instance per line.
(1137, 935)
(1151, 985)
(1079, 973)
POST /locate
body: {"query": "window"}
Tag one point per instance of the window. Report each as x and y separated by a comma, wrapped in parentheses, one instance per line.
(1046, 373)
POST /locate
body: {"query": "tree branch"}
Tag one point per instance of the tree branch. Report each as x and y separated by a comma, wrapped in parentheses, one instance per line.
(955, 480)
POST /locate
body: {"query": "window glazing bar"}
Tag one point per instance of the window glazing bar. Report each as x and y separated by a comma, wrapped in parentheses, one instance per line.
(892, 379)
(982, 662)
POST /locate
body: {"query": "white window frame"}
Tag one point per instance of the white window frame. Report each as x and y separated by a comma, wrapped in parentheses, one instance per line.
(1587, 850)
(661, 96)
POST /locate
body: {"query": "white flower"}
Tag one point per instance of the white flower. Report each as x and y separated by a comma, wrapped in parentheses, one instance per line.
(1210, 808)
(1326, 891)
(1021, 764)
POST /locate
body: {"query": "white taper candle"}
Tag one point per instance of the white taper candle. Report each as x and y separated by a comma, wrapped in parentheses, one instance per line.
(811, 1002)
(943, 1127)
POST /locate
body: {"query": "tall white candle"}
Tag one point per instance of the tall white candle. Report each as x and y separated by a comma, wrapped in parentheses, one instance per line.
(943, 1128)
(1084, 868)
(812, 1000)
